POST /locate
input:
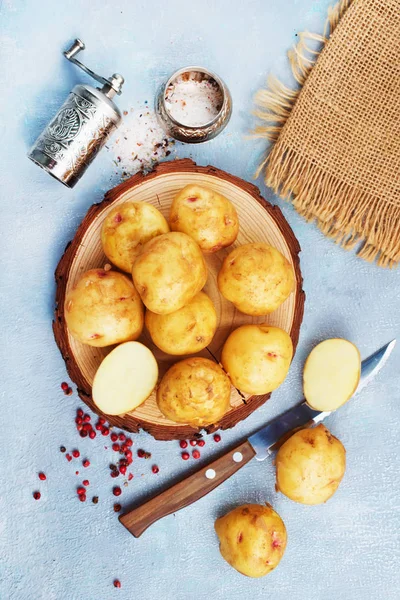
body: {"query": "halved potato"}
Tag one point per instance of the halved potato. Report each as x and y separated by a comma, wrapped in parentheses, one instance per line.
(125, 378)
(331, 374)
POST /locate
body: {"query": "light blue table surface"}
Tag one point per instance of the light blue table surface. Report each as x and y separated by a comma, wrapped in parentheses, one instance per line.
(60, 549)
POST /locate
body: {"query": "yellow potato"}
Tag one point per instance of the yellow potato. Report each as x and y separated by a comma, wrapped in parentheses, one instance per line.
(124, 379)
(185, 331)
(252, 539)
(104, 308)
(256, 278)
(209, 218)
(331, 374)
(127, 228)
(257, 358)
(194, 391)
(169, 272)
(310, 465)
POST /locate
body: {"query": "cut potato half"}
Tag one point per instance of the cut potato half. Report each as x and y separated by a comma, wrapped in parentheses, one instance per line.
(331, 374)
(125, 378)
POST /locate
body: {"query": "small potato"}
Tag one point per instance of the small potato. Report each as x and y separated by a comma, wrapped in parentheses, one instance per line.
(209, 218)
(331, 374)
(185, 331)
(252, 539)
(124, 379)
(104, 308)
(310, 465)
(127, 228)
(256, 278)
(169, 272)
(257, 358)
(194, 391)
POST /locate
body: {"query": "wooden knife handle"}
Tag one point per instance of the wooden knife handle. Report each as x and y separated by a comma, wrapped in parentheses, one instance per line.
(188, 490)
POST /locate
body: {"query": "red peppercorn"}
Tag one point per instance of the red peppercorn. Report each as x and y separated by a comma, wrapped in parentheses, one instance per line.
(79, 427)
(129, 442)
(76, 472)
(183, 444)
(82, 497)
(117, 491)
(92, 434)
(124, 447)
(78, 420)
(80, 490)
(114, 437)
(117, 583)
(99, 426)
(185, 455)
(193, 442)
(217, 437)
(68, 457)
(42, 476)
(105, 431)
(79, 412)
(86, 463)
(155, 469)
(102, 421)
(37, 495)
(141, 453)
(87, 427)
(130, 476)
(201, 443)
(114, 473)
(83, 433)
(129, 461)
(87, 418)
(85, 482)
(63, 449)
(117, 507)
(115, 447)
(64, 386)
(122, 437)
(68, 392)
(128, 454)
(76, 453)
(123, 461)
(122, 469)
(196, 454)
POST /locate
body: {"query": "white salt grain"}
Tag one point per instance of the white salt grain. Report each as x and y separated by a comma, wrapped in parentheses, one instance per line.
(193, 102)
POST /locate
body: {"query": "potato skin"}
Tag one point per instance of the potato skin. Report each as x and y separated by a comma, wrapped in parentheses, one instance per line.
(252, 539)
(208, 217)
(185, 331)
(310, 465)
(194, 391)
(127, 228)
(104, 308)
(256, 278)
(169, 272)
(257, 358)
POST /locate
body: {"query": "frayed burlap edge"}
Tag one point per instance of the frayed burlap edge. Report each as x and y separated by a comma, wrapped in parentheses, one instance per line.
(342, 212)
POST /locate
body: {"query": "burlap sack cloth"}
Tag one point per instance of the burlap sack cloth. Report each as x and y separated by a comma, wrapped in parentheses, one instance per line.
(337, 139)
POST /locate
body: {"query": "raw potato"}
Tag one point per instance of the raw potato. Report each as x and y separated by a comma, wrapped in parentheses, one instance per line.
(209, 218)
(169, 272)
(331, 374)
(124, 379)
(194, 391)
(256, 278)
(185, 331)
(252, 539)
(127, 228)
(104, 308)
(257, 358)
(310, 465)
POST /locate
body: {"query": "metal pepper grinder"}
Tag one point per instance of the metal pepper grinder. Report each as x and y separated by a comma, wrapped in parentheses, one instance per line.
(81, 127)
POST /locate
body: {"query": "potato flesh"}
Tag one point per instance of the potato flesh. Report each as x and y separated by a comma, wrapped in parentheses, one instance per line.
(195, 391)
(169, 272)
(208, 217)
(331, 374)
(104, 308)
(125, 378)
(310, 465)
(127, 228)
(252, 539)
(256, 278)
(257, 358)
(185, 331)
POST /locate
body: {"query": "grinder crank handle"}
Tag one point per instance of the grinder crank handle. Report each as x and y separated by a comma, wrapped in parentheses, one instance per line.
(188, 490)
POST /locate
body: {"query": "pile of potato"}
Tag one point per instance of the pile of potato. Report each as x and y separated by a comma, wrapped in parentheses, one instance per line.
(162, 289)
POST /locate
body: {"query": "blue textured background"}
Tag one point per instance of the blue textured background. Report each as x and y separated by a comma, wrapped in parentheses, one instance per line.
(59, 549)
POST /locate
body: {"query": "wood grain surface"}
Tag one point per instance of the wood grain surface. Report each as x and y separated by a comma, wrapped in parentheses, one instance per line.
(259, 221)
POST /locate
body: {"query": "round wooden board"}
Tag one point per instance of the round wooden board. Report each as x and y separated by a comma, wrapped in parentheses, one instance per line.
(259, 222)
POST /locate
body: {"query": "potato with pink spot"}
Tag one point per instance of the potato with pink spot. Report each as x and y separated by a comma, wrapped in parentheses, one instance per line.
(252, 539)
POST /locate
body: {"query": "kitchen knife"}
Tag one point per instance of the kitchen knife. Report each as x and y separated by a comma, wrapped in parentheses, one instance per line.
(259, 445)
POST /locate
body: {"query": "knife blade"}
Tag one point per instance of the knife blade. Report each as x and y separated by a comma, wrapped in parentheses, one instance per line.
(258, 445)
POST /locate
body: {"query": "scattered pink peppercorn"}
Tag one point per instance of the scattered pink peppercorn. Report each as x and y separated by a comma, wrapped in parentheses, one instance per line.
(129, 461)
(82, 497)
(86, 463)
(68, 392)
(115, 447)
(183, 444)
(79, 412)
(141, 453)
(68, 457)
(105, 431)
(185, 455)
(37, 495)
(87, 418)
(87, 427)
(80, 490)
(122, 437)
(95, 499)
(92, 434)
(114, 473)
(129, 442)
(217, 438)
(122, 469)
(155, 469)
(76, 472)
(78, 420)
(196, 454)
(114, 437)
(63, 449)
(117, 583)
(201, 443)
(128, 454)
(85, 482)
(130, 476)
(83, 433)
(193, 442)
(117, 491)
(102, 421)
(76, 453)
(117, 507)
(64, 386)
(124, 447)
(99, 426)
(42, 476)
